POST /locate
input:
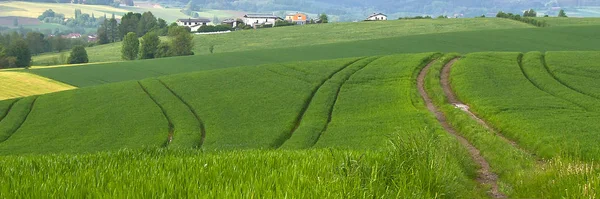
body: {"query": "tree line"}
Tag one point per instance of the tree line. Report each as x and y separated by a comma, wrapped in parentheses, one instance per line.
(529, 16)
(139, 23)
(150, 46)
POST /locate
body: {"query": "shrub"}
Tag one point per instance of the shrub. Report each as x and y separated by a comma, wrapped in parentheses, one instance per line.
(78, 55)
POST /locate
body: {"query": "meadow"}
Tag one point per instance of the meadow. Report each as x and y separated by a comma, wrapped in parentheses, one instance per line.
(310, 35)
(533, 39)
(495, 86)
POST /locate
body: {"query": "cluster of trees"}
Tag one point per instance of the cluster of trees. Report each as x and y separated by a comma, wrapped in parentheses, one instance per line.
(150, 46)
(38, 43)
(18, 54)
(140, 24)
(417, 17)
(529, 20)
(80, 20)
(530, 13)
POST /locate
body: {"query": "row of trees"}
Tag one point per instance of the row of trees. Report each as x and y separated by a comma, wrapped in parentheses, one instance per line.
(150, 46)
(111, 31)
(529, 20)
(18, 55)
(38, 43)
(80, 19)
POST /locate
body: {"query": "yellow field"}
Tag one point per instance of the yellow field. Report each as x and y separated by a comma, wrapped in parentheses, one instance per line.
(20, 84)
(30, 9)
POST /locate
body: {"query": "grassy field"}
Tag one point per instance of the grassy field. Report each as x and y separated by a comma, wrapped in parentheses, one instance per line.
(570, 21)
(422, 169)
(578, 71)
(20, 84)
(520, 174)
(534, 39)
(310, 35)
(497, 89)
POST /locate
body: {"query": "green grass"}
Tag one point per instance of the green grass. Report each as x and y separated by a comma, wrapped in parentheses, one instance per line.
(420, 168)
(107, 117)
(15, 117)
(313, 120)
(495, 87)
(520, 174)
(376, 101)
(577, 70)
(310, 35)
(187, 129)
(5, 106)
(535, 39)
(570, 21)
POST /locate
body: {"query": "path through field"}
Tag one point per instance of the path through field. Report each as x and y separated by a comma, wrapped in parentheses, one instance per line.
(486, 176)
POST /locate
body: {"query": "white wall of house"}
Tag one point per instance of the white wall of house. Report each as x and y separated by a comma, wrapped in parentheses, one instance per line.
(377, 18)
(256, 21)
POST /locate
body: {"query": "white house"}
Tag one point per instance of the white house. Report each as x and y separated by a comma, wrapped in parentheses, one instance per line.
(259, 19)
(194, 24)
(377, 17)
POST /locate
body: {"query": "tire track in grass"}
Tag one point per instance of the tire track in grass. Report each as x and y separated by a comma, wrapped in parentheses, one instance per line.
(310, 99)
(202, 127)
(485, 174)
(8, 109)
(335, 99)
(563, 82)
(539, 87)
(171, 126)
(8, 133)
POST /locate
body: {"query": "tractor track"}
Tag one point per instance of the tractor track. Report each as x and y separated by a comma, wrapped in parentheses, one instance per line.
(8, 109)
(171, 126)
(24, 119)
(307, 103)
(563, 82)
(200, 122)
(485, 174)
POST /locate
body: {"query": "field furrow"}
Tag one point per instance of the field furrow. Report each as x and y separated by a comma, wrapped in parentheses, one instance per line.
(189, 128)
(5, 106)
(578, 71)
(376, 102)
(171, 127)
(533, 66)
(494, 87)
(485, 174)
(94, 119)
(15, 117)
(316, 114)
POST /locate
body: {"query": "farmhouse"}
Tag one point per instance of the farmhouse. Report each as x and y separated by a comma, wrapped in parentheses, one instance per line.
(377, 17)
(194, 24)
(298, 18)
(260, 19)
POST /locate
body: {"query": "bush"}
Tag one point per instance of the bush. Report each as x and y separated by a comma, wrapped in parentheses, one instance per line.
(149, 44)
(78, 55)
(211, 28)
(131, 46)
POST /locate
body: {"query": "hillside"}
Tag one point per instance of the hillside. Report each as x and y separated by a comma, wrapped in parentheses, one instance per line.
(283, 37)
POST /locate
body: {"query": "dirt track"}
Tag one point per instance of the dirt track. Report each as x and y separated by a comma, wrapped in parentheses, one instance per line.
(485, 175)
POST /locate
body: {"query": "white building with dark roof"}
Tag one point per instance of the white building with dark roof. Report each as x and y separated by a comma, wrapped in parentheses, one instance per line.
(377, 17)
(194, 24)
(260, 19)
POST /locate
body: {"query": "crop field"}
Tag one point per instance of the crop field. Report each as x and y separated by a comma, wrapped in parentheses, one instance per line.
(579, 71)
(570, 21)
(516, 95)
(527, 39)
(31, 9)
(21, 84)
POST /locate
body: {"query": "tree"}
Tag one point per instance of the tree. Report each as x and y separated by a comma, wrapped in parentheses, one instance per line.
(78, 55)
(58, 43)
(129, 23)
(323, 18)
(161, 27)
(20, 51)
(16, 21)
(77, 13)
(163, 50)
(181, 42)
(530, 13)
(103, 33)
(113, 30)
(149, 44)
(562, 13)
(36, 42)
(131, 46)
(146, 24)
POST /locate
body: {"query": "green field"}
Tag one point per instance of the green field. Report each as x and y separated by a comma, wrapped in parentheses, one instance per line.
(560, 21)
(310, 35)
(495, 86)
(464, 42)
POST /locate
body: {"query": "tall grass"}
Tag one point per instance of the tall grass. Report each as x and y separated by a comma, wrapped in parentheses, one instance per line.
(577, 70)
(417, 166)
(15, 117)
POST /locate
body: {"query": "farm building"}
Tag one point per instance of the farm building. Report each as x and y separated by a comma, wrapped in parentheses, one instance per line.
(194, 24)
(260, 19)
(377, 17)
(298, 18)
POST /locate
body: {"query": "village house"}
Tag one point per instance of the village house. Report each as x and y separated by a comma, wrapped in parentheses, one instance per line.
(230, 22)
(298, 18)
(377, 17)
(260, 19)
(194, 24)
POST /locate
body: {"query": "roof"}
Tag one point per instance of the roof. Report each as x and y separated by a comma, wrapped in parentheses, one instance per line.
(194, 20)
(228, 21)
(376, 14)
(294, 14)
(261, 16)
